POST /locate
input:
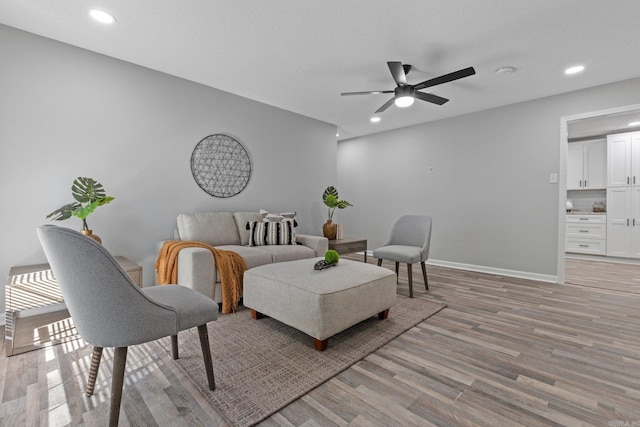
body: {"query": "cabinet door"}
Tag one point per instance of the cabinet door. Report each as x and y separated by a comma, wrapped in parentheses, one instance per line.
(618, 221)
(618, 160)
(595, 164)
(635, 222)
(635, 158)
(575, 166)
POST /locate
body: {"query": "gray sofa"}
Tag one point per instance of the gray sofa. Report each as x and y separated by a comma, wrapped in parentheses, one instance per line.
(226, 230)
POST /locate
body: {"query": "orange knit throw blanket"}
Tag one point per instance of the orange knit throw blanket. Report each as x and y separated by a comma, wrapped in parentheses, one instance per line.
(229, 264)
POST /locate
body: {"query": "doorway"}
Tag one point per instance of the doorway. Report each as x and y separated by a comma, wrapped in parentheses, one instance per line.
(613, 274)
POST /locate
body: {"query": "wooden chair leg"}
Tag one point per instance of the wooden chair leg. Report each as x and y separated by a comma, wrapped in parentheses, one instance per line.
(206, 355)
(424, 275)
(379, 262)
(410, 273)
(397, 272)
(96, 356)
(117, 381)
(174, 346)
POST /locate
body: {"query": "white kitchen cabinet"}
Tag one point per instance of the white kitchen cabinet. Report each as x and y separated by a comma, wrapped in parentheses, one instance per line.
(586, 165)
(586, 234)
(623, 221)
(623, 159)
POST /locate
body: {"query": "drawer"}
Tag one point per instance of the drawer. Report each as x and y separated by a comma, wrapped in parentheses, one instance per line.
(591, 219)
(586, 246)
(588, 230)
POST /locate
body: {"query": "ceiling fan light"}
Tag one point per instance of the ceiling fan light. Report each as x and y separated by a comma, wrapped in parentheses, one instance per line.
(404, 101)
(404, 96)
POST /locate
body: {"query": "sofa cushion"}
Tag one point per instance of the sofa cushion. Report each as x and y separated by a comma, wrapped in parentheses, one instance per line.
(212, 228)
(253, 257)
(272, 233)
(242, 218)
(281, 253)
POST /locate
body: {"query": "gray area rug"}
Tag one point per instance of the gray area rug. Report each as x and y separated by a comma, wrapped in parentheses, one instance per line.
(262, 365)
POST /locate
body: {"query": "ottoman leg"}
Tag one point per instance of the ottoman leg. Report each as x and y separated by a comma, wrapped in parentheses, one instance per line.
(256, 314)
(383, 314)
(320, 345)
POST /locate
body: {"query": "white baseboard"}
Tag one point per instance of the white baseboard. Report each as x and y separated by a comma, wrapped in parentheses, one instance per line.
(490, 270)
(498, 271)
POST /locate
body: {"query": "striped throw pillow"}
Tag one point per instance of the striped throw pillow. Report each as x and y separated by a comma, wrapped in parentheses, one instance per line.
(272, 233)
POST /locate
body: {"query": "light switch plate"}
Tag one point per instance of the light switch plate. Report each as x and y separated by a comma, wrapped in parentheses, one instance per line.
(553, 178)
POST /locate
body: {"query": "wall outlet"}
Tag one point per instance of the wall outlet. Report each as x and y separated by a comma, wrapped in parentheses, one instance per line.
(553, 178)
(430, 169)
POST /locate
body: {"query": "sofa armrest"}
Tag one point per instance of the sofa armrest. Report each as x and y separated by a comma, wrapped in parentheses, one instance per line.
(318, 243)
(197, 270)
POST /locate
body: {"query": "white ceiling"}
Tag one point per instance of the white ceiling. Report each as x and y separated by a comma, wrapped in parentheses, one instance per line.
(300, 55)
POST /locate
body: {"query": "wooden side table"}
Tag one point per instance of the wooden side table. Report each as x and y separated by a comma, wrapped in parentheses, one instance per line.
(346, 246)
(34, 302)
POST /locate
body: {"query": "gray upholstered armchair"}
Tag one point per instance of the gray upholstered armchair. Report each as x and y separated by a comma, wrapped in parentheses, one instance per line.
(409, 243)
(109, 310)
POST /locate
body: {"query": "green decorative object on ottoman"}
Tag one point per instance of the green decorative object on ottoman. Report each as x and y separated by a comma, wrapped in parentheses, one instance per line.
(331, 257)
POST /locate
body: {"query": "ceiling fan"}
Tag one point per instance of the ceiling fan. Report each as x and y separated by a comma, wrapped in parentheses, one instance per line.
(405, 94)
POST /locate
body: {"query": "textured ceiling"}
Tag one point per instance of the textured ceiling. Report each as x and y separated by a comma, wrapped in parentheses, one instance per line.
(300, 55)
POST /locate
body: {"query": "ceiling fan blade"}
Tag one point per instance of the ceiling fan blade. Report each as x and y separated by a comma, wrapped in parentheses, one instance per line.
(466, 72)
(372, 92)
(429, 97)
(397, 72)
(385, 105)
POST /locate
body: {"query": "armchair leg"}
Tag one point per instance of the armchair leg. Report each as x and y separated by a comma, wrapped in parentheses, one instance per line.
(398, 272)
(410, 274)
(117, 381)
(96, 356)
(379, 262)
(206, 355)
(174, 346)
(424, 275)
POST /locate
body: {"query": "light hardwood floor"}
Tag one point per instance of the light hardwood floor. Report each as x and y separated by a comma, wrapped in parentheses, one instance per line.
(504, 352)
(606, 274)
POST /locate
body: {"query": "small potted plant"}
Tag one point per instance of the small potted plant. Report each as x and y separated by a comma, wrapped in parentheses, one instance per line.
(331, 200)
(89, 194)
(331, 259)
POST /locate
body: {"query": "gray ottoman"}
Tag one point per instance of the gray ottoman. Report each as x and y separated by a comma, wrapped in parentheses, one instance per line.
(319, 303)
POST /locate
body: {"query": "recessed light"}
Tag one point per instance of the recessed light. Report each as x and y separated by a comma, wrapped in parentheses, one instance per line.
(374, 119)
(634, 124)
(505, 70)
(574, 70)
(102, 16)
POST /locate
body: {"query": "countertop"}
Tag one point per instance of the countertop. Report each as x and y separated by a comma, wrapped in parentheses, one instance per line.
(585, 213)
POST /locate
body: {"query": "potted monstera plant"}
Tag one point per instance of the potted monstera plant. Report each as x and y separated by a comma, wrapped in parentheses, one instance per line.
(332, 201)
(88, 194)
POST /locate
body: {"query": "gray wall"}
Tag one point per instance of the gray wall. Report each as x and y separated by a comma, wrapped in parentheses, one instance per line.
(66, 112)
(489, 195)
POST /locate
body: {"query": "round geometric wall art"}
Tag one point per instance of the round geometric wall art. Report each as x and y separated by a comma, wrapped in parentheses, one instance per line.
(221, 166)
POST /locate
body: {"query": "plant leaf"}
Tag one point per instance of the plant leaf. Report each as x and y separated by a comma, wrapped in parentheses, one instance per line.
(64, 212)
(87, 190)
(84, 211)
(331, 201)
(330, 191)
